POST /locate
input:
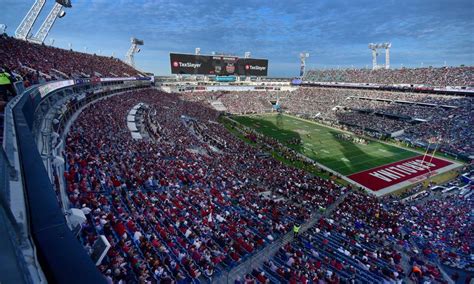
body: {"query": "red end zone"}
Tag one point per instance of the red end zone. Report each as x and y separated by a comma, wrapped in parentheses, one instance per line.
(388, 175)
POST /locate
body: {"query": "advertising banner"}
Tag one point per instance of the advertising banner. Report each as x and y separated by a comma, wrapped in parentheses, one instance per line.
(217, 65)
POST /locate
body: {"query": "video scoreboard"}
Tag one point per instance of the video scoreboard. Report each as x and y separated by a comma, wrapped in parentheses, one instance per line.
(218, 65)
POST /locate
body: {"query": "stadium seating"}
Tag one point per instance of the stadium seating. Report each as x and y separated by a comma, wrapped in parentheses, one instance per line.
(202, 209)
(36, 63)
(441, 227)
(358, 243)
(443, 76)
(175, 208)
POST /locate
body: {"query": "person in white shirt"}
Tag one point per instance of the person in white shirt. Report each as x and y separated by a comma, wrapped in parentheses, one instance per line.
(137, 235)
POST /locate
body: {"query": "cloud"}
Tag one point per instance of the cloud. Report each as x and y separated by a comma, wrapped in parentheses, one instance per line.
(334, 32)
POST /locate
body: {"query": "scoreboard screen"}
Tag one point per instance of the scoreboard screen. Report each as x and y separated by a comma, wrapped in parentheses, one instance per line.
(218, 65)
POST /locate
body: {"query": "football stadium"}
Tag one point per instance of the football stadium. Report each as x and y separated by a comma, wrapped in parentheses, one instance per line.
(369, 163)
(304, 160)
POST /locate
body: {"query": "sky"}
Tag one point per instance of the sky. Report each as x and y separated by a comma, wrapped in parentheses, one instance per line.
(335, 33)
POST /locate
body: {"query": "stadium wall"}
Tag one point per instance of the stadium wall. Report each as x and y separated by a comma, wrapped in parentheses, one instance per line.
(60, 254)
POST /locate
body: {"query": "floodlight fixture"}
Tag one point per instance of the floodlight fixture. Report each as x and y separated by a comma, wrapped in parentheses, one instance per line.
(134, 48)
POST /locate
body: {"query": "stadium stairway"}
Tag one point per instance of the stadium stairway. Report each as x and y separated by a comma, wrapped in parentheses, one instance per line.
(257, 260)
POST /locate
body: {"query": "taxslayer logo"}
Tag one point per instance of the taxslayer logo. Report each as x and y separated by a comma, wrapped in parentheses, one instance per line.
(177, 64)
(255, 67)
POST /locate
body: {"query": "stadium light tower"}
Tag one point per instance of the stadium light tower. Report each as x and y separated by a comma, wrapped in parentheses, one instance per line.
(130, 57)
(374, 47)
(29, 20)
(303, 56)
(56, 12)
(24, 29)
(197, 51)
(247, 54)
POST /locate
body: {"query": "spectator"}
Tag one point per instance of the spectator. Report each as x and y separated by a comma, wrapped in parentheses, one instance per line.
(6, 83)
(296, 229)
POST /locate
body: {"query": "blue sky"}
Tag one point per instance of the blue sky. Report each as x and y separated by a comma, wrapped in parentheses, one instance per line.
(334, 32)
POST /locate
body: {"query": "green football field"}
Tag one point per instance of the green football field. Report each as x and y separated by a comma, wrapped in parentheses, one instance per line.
(321, 144)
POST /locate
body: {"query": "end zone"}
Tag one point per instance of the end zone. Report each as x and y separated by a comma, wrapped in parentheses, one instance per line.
(387, 178)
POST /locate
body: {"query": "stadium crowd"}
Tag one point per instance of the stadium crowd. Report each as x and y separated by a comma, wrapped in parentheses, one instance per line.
(179, 209)
(370, 240)
(186, 207)
(36, 62)
(437, 76)
(442, 227)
